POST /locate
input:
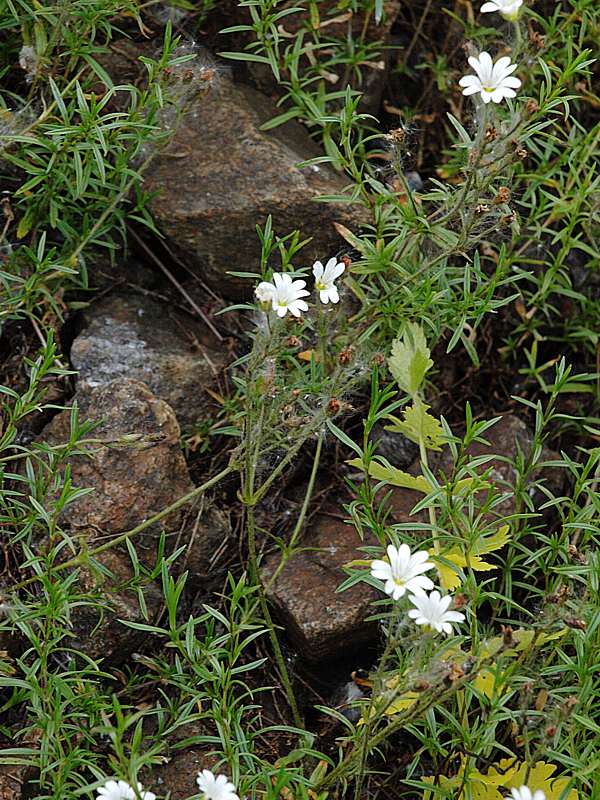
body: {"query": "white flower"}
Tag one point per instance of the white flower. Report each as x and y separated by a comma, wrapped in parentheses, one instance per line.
(215, 787)
(508, 8)
(325, 277)
(404, 571)
(493, 81)
(432, 610)
(120, 790)
(284, 294)
(524, 793)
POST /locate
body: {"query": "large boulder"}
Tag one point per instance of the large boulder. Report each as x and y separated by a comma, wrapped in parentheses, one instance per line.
(321, 622)
(222, 175)
(136, 337)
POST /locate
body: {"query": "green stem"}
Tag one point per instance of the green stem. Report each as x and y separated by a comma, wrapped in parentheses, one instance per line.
(434, 696)
(431, 509)
(255, 577)
(250, 499)
(302, 515)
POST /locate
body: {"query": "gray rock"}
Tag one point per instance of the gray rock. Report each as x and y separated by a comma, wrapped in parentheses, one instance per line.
(320, 622)
(394, 447)
(137, 337)
(222, 175)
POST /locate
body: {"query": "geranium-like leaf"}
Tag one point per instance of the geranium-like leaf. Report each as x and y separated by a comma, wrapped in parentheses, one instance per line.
(395, 477)
(539, 776)
(450, 577)
(419, 426)
(410, 359)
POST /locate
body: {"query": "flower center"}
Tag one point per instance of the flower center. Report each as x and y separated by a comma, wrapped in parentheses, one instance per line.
(489, 89)
(321, 286)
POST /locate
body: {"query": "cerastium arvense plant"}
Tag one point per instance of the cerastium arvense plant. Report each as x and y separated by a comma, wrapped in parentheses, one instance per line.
(487, 609)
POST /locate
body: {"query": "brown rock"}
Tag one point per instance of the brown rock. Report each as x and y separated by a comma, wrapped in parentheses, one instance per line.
(207, 534)
(97, 627)
(136, 337)
(222, 175)
(131, 483)
(177, 779)
(319, 621)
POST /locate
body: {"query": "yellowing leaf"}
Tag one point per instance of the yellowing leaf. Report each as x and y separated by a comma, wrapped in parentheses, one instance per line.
(395, 477)
(509, 773)
(485, 683)
(419, 426)
(479, 787)
(307, 355)
(524, 638)
(447, 784)
(359, 562)
(487, 544)
(539, 777)
(24, 226)
(403, 702)
(410, 359)
(450, 577)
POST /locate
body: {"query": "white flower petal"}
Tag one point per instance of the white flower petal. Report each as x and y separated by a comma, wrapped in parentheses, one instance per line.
(500, 66)
(380, 566)
(474, 64)
(338, 270)
(486, 64)
(454, 616)
(419, 584)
